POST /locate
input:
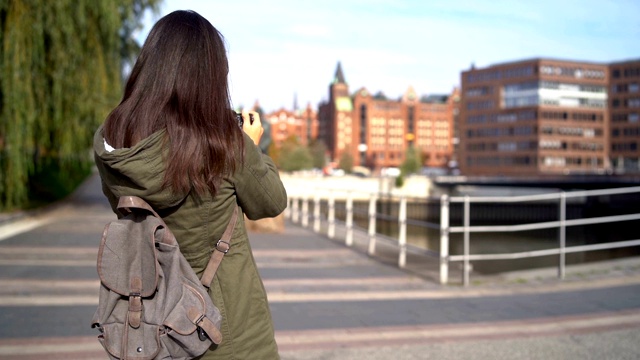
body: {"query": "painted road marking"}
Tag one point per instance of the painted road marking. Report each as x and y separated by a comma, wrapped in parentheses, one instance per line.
(406, 335)
(88, 347)
(21, 226)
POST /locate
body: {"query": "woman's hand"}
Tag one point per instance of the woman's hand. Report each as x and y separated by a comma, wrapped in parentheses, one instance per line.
(252, 125)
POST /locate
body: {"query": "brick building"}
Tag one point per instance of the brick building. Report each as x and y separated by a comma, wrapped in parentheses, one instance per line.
(301, 123)
(624, 106)
(534, 117)
(377, 131)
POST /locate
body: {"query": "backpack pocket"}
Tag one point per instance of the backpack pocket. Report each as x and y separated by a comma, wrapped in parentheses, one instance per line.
(190, 329)
(142, 343)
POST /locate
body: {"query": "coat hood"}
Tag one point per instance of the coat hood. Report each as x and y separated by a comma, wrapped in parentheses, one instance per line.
(137, 171)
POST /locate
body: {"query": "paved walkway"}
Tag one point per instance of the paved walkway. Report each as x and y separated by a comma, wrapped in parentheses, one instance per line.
(328, 301)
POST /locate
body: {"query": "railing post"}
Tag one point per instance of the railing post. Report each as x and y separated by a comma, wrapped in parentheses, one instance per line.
(316, 212)
(372, 224)
(288, 212)
(331, 231)
(402, 237)
(467, 216)
(295, 213)
(348, 240)
(305, 211)
(444, 239)
(562, 234)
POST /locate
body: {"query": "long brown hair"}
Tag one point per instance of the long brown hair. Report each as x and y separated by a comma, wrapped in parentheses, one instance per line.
(179, 83)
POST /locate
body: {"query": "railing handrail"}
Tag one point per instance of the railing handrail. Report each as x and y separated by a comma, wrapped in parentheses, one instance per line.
(546, 224)
(549, 196)
(547, 252)
(466, 229)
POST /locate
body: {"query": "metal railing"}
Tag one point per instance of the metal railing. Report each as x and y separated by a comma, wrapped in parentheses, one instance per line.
(298, 212)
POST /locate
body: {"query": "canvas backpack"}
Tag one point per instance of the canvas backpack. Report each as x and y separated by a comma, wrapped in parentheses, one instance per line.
(152, 304)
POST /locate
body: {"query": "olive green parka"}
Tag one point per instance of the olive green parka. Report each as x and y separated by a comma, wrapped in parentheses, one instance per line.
(198, 222)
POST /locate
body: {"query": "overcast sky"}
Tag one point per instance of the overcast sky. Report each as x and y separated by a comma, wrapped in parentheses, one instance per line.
(282, 49)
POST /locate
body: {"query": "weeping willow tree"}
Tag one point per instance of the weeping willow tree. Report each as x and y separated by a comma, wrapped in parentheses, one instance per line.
(60, 74)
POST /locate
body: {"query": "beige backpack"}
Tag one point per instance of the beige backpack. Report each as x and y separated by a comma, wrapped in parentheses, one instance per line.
(152, 304)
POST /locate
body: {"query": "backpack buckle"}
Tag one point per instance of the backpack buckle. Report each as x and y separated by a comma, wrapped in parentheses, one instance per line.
(223, 246)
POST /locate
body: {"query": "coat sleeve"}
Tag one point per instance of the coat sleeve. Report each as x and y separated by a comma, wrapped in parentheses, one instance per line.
(259, 190)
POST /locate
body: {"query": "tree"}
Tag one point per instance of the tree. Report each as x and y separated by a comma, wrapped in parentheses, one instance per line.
(292, 156)
(60, 74)
(318, 153)
(412, 162)
(346, 162)
(411, 165)
(298, 159)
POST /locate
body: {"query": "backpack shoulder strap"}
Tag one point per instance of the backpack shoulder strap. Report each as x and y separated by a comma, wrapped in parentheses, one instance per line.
(222, 247)
(126, 203)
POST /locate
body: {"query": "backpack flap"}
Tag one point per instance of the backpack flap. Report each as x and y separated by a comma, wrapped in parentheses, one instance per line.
(127, 261)
(192, 314)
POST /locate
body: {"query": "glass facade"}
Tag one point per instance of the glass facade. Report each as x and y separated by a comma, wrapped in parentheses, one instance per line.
(552, 93)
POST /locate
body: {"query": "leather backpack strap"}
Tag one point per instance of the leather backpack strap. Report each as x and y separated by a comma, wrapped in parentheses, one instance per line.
(222, 247)
(126, 203)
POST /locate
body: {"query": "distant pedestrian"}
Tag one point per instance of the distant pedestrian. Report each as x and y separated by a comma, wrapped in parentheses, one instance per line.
(175, 142)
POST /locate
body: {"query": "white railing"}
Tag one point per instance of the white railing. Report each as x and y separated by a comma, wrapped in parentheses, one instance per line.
(302, 216)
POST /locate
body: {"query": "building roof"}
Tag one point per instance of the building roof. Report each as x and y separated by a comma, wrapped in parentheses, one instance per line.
(435, 98)
(339, 76)
(536, 59)
(626, 62)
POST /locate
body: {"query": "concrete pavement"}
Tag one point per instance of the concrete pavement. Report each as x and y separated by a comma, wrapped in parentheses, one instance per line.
(328, 301)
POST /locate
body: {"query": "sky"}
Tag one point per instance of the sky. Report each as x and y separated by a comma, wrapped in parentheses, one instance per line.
(285, 52)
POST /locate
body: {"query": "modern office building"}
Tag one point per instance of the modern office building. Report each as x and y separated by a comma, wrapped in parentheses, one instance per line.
(624, 107)
(377, 131)
(534, 117)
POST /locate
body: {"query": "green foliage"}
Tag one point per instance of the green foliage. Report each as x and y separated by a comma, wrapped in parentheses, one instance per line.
(298, 159)
(346, 162)
(412, 162)
(274, 153)
(293, 156)
(411, 165)
(318, 151)
(53, 180)
(60, 75)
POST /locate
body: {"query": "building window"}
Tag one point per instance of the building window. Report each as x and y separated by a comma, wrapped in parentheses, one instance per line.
(411, 120)
(363, 124)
